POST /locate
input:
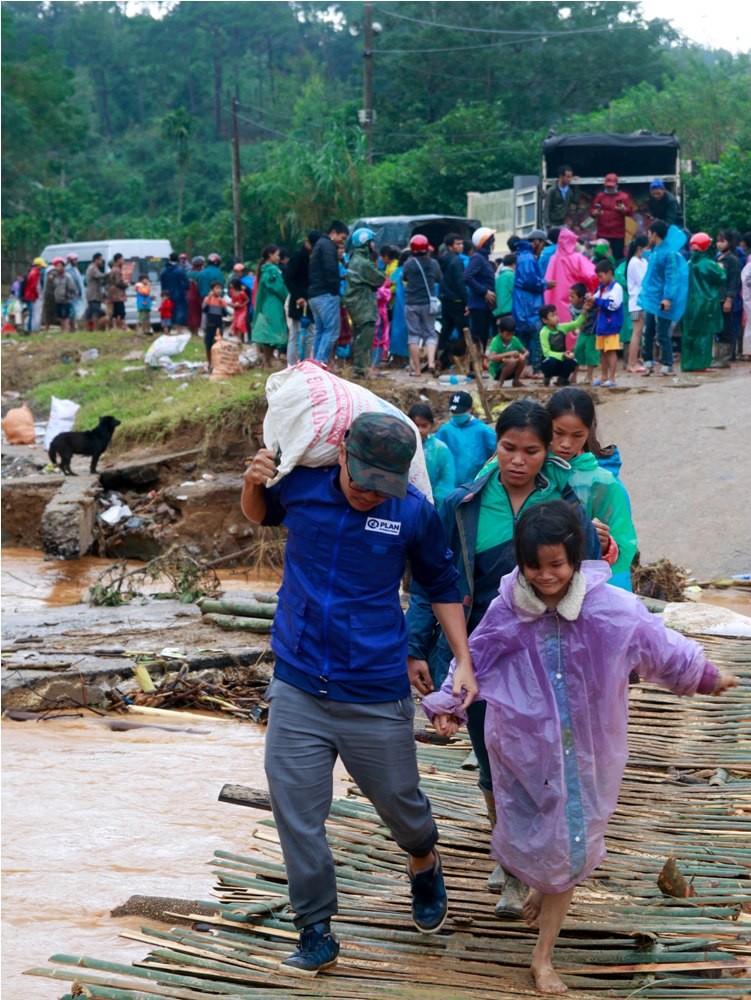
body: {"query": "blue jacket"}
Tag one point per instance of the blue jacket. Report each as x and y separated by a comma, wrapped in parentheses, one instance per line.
(529, 286)
(470, 444)
(460, 514)
(339, 629)
(666, 278)
(479, 277)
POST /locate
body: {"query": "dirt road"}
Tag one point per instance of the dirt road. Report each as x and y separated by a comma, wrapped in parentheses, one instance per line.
(686, 452)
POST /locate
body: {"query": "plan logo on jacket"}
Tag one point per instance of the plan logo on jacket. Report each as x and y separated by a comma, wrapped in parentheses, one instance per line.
(384, 527)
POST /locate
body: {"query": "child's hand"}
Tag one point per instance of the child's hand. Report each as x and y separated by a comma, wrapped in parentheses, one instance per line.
(603, 533)
(725, 680)
(446, 725)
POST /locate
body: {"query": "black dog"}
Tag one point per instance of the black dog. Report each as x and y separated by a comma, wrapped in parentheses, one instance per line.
(93, 443)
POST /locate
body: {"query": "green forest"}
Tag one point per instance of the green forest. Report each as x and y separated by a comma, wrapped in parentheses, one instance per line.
(117, 117)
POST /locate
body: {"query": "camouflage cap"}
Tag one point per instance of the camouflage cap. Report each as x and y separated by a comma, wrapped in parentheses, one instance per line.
(379, 449)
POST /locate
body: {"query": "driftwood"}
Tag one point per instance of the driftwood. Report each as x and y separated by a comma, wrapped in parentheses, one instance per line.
(238, 623)
(477, 367)
(239, 795)
(236, 606)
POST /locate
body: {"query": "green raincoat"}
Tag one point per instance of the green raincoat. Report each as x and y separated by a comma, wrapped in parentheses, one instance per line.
(703, 316)
(269, 321)
(363, 278)
(605, 498)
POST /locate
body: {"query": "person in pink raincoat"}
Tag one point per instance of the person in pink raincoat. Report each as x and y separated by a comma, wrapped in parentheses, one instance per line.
(566, 268)
(382, 328)
(552, 658)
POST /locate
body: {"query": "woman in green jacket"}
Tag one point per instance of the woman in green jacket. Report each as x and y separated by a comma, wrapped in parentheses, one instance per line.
(269, 321)
(603, 496)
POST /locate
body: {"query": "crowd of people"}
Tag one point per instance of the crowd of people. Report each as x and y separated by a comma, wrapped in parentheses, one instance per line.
(557, 306)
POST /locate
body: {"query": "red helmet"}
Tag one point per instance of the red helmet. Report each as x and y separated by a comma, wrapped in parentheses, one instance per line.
(700, 241)
(419, 243)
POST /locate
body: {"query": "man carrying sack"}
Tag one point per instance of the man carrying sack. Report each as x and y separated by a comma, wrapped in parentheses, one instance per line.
(340, 685)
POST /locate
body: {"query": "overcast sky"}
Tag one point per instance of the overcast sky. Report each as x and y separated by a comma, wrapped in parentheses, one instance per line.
(716, 26)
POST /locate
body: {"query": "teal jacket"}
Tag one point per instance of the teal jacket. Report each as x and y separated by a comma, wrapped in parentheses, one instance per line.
(666, 278)
(604, 497)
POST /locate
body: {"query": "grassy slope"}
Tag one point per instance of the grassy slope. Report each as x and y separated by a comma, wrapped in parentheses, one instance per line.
(152, 407)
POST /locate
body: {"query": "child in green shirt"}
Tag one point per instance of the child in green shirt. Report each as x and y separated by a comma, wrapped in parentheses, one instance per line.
(506, 353)
(556, 360)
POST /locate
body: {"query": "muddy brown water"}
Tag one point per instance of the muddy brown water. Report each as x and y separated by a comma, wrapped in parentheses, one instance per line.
(91, 817)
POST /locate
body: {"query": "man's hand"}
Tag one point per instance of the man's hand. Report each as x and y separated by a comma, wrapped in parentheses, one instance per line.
(550, 284)
(665, 305)
(727, 305)
(419, 675)
(262, 468)
(465, 683)
(490, 298)
(446, 725)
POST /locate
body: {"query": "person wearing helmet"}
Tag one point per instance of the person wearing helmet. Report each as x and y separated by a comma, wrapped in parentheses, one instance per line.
(324, 289)
(479, 277)
(703, 317)
(212, 271)
(76, 306)
(422, 277)
(359, 299)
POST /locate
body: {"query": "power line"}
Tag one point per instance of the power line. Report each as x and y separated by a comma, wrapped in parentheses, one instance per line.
(486, 31)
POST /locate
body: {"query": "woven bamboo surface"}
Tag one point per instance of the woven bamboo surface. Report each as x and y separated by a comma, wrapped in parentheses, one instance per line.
(686, 794)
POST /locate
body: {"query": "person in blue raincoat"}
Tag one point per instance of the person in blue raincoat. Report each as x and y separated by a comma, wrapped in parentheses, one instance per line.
(470, 441)
(529, 286)
(664, 292)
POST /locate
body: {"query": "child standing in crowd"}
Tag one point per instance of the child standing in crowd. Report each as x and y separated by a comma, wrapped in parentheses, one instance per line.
(556, 721)
(382, 328)
(636, 268)
(604, 497)
(166, 309)
(143, 304)
(586, 354)
(507, 354)
(609, 302)
(438, 457)
(239, 297)
(214, 310)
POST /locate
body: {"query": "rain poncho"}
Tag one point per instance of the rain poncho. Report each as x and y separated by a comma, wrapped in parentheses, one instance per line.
(566, 268)
(627, 329)
(471, 443)
(556, 687)
(703, 316)
(270, 323)
(605, 498)
(363, 278)
(529, 285)
(666, 277)
(441, 469)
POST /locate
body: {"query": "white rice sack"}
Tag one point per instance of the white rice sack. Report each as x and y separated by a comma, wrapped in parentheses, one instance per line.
(168, 345)
(62, 417)
(309, 411)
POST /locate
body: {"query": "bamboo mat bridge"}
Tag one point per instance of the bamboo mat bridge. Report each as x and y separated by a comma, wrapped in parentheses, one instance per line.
(686, 794)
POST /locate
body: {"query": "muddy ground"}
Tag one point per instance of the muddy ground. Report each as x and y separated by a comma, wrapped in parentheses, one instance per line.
(684, 443)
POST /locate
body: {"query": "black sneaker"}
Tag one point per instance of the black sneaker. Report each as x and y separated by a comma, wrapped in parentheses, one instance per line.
(317, 951)
(546, 380)
(429, 901)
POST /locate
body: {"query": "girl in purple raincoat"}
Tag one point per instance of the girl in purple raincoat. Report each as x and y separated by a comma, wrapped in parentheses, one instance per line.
(552, 657)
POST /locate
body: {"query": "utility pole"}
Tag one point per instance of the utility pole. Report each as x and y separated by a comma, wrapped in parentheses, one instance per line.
(236, 229)
(367, 115)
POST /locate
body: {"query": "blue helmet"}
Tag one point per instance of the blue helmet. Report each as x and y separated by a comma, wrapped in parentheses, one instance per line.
(361, 237)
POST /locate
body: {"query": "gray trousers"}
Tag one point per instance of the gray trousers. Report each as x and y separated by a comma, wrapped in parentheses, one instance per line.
(377, 746)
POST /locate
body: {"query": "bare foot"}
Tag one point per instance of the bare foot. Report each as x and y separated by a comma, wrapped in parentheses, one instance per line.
(531, 908)
(547, 979)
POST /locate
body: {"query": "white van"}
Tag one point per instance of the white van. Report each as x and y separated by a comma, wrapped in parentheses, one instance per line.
(141, 257)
